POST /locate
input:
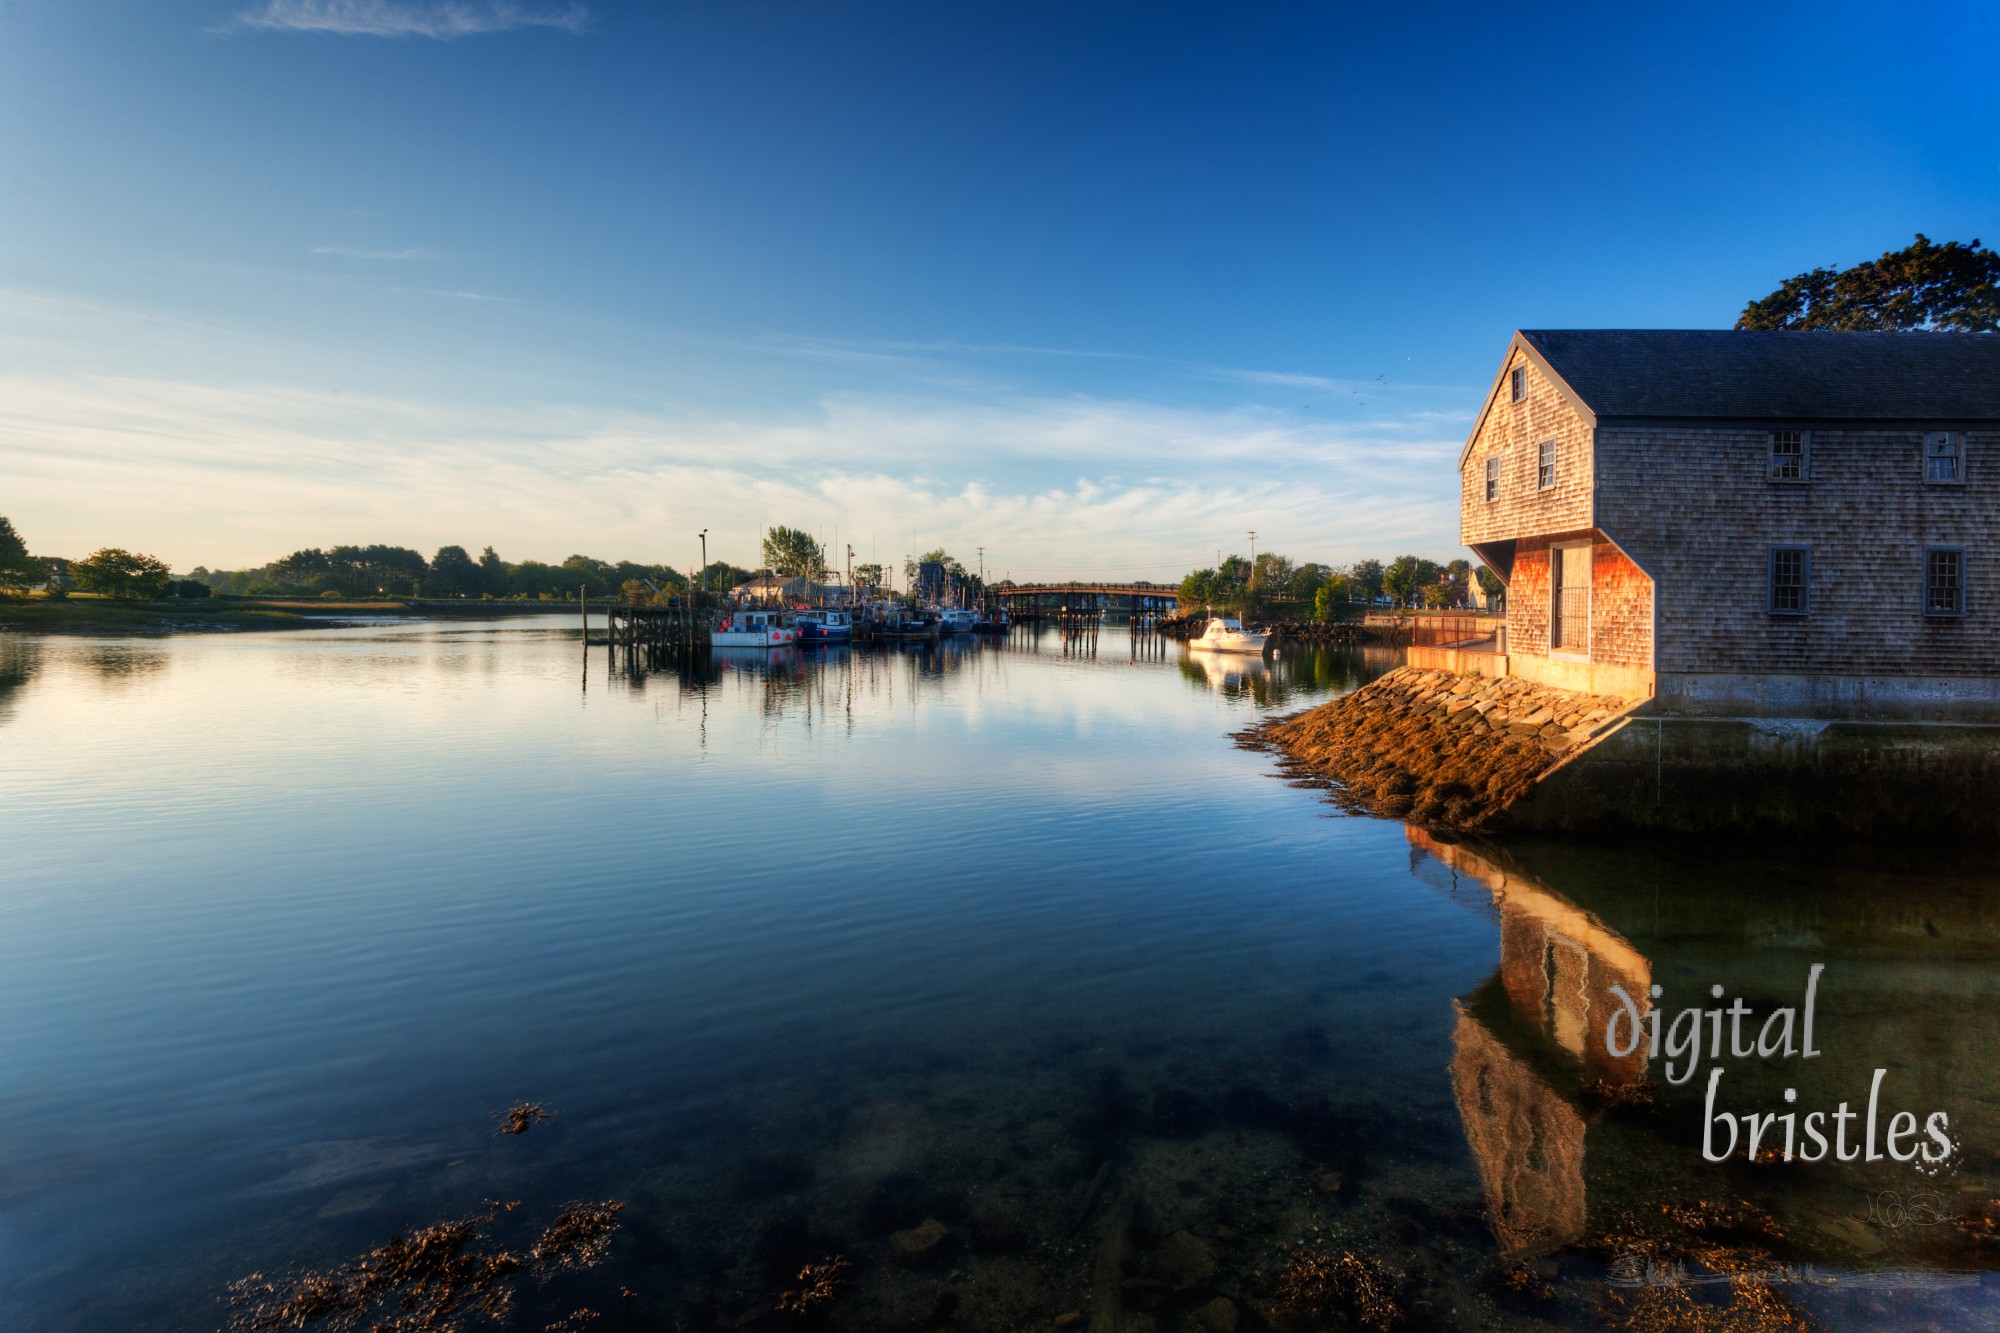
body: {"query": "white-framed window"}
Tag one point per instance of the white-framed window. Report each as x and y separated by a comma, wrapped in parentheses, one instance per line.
(1944, 580)
(1545, 465)
(1944, 456)
(1492, 479)
(1789, 586)
(1788, 456)
(1517, 384)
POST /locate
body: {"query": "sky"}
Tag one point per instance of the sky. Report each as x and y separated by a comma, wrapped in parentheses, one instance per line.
(1100, 288)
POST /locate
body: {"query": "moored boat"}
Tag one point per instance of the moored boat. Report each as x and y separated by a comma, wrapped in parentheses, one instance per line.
(823, 626)
(751, 629)
(957, 620)
(1225, 634)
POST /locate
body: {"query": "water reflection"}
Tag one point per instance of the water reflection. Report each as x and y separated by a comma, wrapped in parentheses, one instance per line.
(1574, 1143)
(20, 659)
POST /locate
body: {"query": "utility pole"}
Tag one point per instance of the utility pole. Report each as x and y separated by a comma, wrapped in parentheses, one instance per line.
(1253, 561)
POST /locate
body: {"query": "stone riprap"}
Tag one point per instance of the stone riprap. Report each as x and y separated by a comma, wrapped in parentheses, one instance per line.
(1438, 749)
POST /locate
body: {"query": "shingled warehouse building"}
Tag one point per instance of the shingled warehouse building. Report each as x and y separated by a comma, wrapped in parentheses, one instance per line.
(1776, 525)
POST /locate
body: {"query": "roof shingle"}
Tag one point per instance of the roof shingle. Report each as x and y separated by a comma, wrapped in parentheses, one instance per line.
(1732, 375)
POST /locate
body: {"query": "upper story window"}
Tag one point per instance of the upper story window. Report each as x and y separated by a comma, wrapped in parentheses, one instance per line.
(1517, 384)
(1788, 455)
(1944, 458)
(1944, 581)
(1790, 591)
(1545, 466)
(1493, 478)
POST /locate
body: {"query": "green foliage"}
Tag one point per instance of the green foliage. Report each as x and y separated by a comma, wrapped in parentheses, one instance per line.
(1330, 598)
(1406, 575)
(123, 575)
(868, 576)
(191, 589)
(18, 569)
(1437, 596)
(1923, 286)
(453, 574)
(792, 552)
(1365, 579)
(1489, 583)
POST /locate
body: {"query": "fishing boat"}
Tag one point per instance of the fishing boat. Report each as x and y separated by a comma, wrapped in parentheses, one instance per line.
(823, 626)
(996, 625)
(751, 629)
(957, 620)
(1225, 634)
(906, 626)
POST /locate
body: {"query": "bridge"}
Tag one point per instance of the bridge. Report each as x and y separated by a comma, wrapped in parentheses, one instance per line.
(1026, 601)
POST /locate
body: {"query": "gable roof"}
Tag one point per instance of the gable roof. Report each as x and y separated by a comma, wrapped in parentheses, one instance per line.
(1727, 374)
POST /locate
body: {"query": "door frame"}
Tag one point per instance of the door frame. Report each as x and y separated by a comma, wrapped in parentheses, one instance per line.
(1556, 549)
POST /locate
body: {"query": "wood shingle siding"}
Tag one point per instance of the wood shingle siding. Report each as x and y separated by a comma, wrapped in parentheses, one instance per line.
(1663, 444)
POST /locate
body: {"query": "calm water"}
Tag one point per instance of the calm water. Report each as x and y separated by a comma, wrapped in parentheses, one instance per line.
(808, 953)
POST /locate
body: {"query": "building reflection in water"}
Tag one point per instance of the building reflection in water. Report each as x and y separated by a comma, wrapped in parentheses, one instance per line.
(1557, 968)
(1575, 1147)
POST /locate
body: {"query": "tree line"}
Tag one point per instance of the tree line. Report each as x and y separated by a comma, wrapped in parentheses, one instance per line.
(345, 572)
(453, 572)
(1328, 592)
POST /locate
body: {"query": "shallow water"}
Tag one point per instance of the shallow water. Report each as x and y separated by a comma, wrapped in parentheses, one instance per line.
(808, 951)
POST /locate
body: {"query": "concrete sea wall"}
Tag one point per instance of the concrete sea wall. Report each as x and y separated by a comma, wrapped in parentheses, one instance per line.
(1707, 774)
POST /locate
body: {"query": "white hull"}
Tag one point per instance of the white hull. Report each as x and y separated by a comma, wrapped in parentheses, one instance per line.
(1232, 641)
(750, 638)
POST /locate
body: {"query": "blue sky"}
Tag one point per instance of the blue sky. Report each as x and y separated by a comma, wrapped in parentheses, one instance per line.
(1100, 287)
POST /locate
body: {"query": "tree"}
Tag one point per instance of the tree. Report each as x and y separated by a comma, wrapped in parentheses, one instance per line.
(1407, 574)
(1490, 584)
(1274, 573)
(452, 574)
(123, 575)
(1458, 571)
(792, 552)
(1307, 582)
(1365, 579)
(17, 568)
(1439, 595)
(1330, 597)
(191, 588)
(493, 578)
(1922, 286)
(868, 576)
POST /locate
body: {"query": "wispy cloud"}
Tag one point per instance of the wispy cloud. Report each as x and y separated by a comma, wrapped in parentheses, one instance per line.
(238, 474)
(441, 19)
(353, 252)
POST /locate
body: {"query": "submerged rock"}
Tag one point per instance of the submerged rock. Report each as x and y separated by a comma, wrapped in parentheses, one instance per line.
(921, 1240)
(1182, 1260)
(1219, 1315)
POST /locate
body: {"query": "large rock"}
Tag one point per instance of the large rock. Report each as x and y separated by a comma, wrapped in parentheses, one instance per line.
(922, 1240)
(1182, 1261)
(1218, 1315)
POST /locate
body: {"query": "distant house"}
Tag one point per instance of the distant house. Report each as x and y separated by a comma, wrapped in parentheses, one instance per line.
(1747, 524)
(777, 590)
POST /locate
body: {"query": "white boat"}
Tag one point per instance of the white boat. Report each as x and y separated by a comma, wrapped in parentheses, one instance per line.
(1225, 634)
(957, 620)
(751, 629)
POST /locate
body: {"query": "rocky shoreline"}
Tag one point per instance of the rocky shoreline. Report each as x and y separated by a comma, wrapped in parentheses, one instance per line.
(1443, 751)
